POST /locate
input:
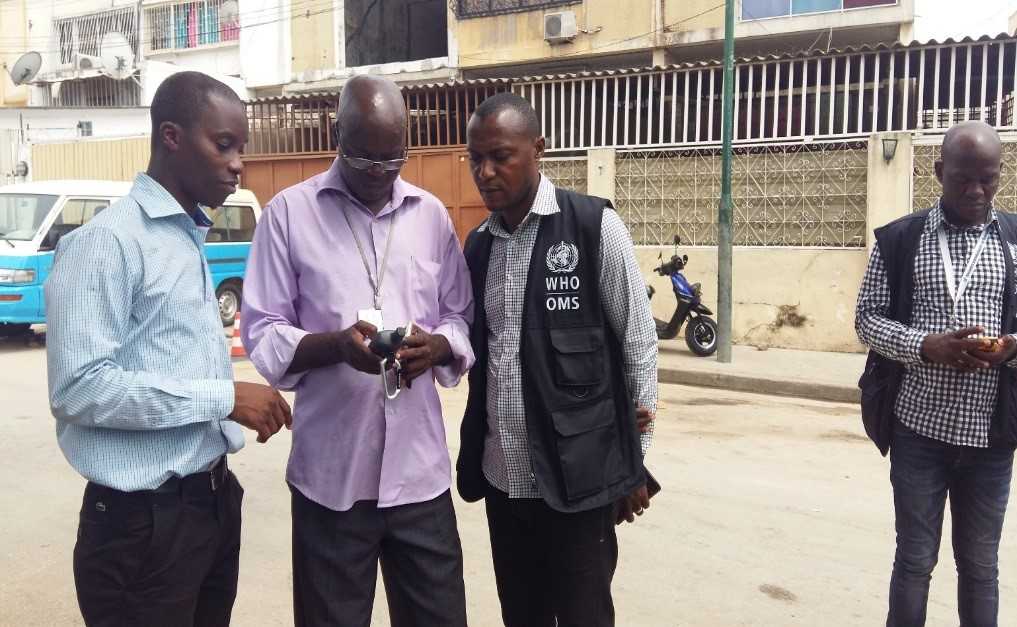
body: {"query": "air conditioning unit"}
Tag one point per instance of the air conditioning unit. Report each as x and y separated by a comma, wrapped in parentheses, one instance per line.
(87, 62)
(560, 27)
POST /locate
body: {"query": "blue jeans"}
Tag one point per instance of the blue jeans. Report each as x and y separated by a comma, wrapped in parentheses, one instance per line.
(923, 471)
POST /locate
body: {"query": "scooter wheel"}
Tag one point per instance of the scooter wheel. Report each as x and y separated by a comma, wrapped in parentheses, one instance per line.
(701, 336)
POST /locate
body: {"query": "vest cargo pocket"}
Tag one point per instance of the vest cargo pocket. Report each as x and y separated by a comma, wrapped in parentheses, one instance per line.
(588, 448)
(578, 356)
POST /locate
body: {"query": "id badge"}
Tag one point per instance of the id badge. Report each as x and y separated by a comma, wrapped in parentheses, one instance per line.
(371, 316)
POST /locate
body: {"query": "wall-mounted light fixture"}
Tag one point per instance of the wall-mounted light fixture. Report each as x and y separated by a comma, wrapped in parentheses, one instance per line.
(889, 148)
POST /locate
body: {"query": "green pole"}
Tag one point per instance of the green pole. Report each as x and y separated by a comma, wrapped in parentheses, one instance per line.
(724, 217)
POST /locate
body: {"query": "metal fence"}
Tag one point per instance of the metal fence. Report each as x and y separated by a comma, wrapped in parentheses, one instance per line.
(437, 116)
(784, 195)
(86, 34)
(926, 187)
(566, 172)
(191, 24)
(839, 94)
(96, 91)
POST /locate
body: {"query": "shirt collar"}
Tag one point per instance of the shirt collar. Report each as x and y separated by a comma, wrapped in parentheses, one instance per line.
(937, 218)
(401, 190)
(157, 202)
(544, 204)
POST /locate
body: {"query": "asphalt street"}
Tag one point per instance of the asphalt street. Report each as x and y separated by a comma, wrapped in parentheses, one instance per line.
(775, 511)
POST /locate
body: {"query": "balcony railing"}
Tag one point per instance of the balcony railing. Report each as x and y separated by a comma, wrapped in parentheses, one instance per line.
(188, 25)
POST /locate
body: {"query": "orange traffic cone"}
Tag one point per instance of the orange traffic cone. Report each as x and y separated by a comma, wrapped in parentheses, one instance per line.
(237, 348)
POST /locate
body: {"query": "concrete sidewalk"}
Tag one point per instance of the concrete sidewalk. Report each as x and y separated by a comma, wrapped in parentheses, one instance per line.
(805, 374)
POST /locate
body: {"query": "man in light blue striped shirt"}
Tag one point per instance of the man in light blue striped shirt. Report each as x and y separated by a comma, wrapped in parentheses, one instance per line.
(141, 382)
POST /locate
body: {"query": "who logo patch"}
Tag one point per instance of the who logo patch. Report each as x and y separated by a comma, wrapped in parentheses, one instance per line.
(562, 258)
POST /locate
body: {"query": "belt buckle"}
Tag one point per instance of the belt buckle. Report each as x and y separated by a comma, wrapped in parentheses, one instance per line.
(213, 475)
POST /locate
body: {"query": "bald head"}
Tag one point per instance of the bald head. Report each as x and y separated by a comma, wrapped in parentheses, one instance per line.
(371, 125)
(968, 169)
(370, 100)
(971, 140)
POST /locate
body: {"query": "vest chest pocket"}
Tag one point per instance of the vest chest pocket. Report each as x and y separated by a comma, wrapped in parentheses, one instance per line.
(578, 357)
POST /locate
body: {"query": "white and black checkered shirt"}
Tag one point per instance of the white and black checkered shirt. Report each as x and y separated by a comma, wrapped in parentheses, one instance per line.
(935, 400)
(623, 296)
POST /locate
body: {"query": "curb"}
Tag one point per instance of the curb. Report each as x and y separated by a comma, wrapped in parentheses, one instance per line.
(740, 383)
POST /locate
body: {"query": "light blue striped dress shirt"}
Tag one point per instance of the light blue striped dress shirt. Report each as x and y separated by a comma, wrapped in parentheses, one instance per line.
(140, 380)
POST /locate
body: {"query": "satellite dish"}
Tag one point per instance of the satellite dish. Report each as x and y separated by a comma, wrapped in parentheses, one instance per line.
(229, 12)
(25, 69)
(117, 56)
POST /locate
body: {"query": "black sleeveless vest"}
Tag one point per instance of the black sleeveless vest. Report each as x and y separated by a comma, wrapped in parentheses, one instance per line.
(583, 439)
(880, 382)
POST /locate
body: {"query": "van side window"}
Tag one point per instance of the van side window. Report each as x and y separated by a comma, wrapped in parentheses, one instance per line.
(231, 223)
(76, 212)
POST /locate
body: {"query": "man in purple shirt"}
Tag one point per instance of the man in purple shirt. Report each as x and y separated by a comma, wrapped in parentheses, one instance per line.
(335, 259)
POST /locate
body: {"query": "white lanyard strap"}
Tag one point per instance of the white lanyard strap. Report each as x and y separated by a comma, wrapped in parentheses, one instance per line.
(375, 285)
(957, 291)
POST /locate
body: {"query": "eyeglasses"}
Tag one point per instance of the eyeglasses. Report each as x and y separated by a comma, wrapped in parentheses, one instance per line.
(358, 163)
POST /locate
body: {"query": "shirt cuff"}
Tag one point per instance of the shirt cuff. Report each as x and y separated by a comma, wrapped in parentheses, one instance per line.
(451, 373)
(213, 398)
(1013, 360)
(645, 439)
(274, 353)
(912, 347)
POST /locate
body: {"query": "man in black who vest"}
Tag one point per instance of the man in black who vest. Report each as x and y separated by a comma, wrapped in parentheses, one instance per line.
(940, 397)
(566, 349)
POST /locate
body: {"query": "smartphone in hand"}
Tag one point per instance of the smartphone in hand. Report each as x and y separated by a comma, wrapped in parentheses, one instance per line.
(652, 487)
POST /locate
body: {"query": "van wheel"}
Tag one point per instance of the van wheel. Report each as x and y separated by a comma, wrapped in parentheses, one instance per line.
(14, 330)
(229, 302)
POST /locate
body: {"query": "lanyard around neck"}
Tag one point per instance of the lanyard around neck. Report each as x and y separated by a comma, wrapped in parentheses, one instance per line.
(375, 285)
(957, 289)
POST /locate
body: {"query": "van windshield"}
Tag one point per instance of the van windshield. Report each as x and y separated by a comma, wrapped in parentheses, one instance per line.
(21, 215)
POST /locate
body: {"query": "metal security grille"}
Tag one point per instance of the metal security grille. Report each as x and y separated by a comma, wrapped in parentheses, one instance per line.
(184, 25)
(927, 189)
(481, 8)
(836, 95)
(784, 195)
(291, 125)
(566, 172)
(437, 116)
(84, 34)
(96, 91)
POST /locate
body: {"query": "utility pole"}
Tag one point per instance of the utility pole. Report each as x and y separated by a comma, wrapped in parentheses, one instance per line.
(724, 212)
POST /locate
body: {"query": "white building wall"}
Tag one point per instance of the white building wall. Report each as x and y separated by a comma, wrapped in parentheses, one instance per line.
(57, 124)
(42, 13)
(265, 45)
(153, 73)
(219, 60)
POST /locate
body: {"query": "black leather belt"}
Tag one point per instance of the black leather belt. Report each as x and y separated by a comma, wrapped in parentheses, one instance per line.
(207, 481)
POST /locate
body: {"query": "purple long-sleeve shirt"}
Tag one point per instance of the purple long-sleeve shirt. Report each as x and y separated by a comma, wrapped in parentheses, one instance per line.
(305, 275)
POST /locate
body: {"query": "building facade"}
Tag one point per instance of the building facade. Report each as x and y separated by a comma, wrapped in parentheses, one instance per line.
(101, 63)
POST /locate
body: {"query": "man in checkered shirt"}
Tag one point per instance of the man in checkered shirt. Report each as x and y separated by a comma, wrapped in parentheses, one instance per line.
(954, 426)
(566, 350)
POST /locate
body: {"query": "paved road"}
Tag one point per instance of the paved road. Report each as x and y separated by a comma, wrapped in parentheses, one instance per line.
(775, 512)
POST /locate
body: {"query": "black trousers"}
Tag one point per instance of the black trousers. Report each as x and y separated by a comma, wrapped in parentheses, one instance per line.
(336, 555)
(164, 558)
(551, 566)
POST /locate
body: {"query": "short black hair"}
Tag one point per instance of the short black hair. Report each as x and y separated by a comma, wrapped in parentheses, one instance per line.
(508, 100)
(181, 98)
